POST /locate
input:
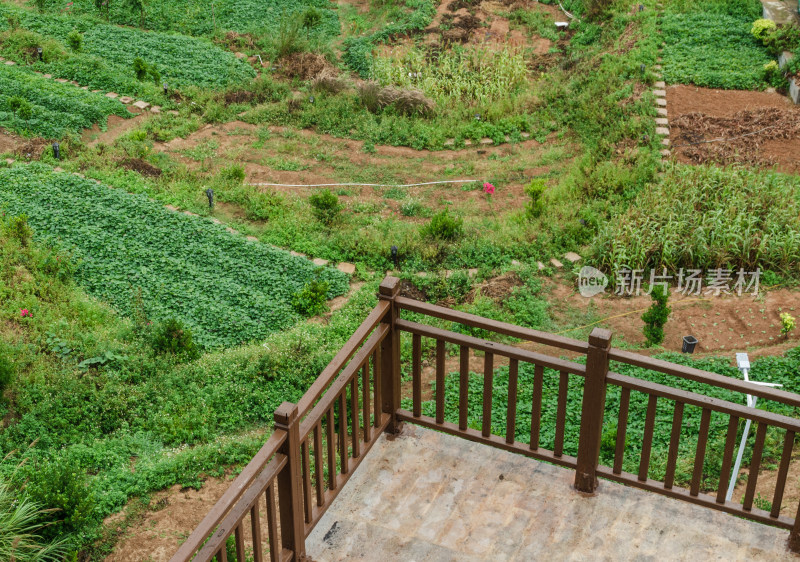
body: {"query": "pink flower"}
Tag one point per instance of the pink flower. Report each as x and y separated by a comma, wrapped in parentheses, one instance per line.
(488, 188)
(25, 312)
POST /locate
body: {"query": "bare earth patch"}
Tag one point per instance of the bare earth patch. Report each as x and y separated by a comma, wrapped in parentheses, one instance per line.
(764, 127)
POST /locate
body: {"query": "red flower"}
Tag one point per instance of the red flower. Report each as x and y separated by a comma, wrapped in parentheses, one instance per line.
(488, 188)
(25, 312)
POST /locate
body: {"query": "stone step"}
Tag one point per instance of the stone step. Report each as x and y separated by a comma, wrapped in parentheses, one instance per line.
(572, 257)
(320, 262)
(665, 141)
(660, 93)
(666, 153)
(661, 111)
(347, 268)
(661, 102)
(660, 84)
(555, 263)
(663, 131)
(662, 121)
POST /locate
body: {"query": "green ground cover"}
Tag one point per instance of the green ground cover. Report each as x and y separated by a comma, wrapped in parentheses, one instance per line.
(140, 257)
(200, 19)
(180, 60)
(708, 43)
(50, 109)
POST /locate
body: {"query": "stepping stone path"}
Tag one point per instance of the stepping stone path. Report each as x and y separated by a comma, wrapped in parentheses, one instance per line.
(662, 123)
(347, 268)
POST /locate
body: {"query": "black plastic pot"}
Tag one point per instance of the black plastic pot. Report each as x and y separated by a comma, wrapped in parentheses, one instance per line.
(688, 344)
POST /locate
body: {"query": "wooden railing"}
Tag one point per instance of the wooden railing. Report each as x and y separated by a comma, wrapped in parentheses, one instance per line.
(318, 443)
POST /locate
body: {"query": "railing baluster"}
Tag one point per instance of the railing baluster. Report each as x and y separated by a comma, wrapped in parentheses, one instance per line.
(674, 444)
(755, 464)
(536, 406)
(331, 450)
(622, 429)
(463, 386)
(727, 459)
(700, 453)
(561, 414)
(440, 357)
(306, 480)
(783, 471)
(239, 538)
(318, 471)
(365, 400)
(376, 377)
(255, 529)
(488, 386)
(356, 414)
(416, 374)
(647, 441)
(511, 415)
(343, 452)
(272, 525)
(222, 555)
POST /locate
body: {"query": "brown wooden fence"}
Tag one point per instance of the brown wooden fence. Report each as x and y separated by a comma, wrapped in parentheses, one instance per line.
(319, 442)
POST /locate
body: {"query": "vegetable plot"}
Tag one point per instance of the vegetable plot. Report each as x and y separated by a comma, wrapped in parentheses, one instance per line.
(140, 257)
(32, 105)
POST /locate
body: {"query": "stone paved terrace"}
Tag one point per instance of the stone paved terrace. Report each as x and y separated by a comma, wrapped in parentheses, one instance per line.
(425, 496)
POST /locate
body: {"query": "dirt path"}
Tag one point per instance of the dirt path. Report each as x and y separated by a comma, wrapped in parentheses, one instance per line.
(115, 128)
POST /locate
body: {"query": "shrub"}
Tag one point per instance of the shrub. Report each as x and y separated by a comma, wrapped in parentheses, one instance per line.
(75, 41)
(535, 190)
(19, 229)
(289, 39)
(21, 107)
(656, 316)
(233, 173)
(762, 28)
(325, 206)
(312, 299)
(59, 486)
(144, 70)
(369, 94)
(327, 81)
(784, 38)
(172, 337)
(787, 325)
(443, 226)
(21, 528)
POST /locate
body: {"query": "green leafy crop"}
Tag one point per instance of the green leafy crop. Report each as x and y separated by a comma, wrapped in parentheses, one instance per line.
(226, 289)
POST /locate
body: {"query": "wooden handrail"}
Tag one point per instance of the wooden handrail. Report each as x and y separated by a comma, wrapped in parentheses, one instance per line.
(230, 497)
(702, 401)
(496, 326)
(697, 375)
(504, 350)
(329, 373)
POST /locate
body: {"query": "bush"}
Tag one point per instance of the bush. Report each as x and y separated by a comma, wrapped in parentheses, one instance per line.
(19, 229)
(787, 325)
(535, 190)
(443, 226)
(172, 337)
(21, 107)
(762, 29)
(312, 299)
(59, 486)
(233, 173)
(325, 206)
(143, 70)
(656, 316)
(327, 81)
(75, 41)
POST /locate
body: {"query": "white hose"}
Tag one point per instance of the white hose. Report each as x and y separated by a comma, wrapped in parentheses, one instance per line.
(359, 184)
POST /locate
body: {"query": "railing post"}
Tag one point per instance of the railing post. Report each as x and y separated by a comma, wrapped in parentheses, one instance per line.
(390, 355)
(594, 403)
(794, 534)
(289, 488)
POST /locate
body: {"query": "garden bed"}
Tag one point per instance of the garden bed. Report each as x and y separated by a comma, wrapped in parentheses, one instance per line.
(770, 121)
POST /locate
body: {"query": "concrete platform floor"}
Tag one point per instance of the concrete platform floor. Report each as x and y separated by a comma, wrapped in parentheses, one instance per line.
(429, 496)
